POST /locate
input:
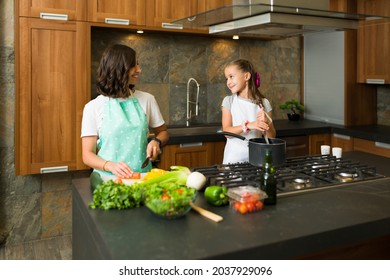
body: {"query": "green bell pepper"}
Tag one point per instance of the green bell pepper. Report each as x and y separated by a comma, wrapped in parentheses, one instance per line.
(216, 195)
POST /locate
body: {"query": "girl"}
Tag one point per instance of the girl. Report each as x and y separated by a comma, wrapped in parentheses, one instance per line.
(245, 112)
(115, 125)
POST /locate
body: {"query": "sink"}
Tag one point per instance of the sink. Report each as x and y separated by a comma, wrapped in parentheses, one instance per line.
(193, 130)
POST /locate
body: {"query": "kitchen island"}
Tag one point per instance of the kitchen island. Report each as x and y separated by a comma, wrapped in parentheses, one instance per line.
(347, 222)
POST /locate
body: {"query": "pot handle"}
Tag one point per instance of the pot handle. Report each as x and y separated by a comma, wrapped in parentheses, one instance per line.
(231, 134)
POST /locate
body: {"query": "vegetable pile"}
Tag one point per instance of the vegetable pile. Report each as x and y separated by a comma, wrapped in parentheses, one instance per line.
(159, 186)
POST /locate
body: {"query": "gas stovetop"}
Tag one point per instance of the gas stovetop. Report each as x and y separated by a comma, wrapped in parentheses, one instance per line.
(296, 175)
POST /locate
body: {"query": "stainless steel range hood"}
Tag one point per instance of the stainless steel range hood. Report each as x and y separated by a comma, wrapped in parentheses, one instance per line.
(273, 19)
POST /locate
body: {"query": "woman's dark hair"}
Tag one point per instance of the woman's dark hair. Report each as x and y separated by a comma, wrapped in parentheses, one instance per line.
(247, 66)
(113, 71)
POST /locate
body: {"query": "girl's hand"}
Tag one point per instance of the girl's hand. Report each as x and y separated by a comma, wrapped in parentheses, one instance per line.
(261, 123)
(120, 169)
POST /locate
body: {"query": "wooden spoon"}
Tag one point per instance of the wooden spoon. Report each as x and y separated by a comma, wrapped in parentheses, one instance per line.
(205, 213)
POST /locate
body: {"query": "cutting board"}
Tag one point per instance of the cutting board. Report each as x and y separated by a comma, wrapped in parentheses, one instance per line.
(125, 181)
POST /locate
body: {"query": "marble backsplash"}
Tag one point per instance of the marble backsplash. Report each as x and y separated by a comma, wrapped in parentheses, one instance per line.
(169, 60)
(39, 206)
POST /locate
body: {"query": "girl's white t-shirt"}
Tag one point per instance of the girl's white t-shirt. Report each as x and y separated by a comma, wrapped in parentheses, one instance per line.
(93, 113)
(236, 150)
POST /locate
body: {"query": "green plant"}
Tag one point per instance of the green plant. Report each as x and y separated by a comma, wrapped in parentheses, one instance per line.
(293, 105)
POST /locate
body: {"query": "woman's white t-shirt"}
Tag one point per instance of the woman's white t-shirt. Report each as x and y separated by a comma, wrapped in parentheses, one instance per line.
(237, 150)
(93, 113)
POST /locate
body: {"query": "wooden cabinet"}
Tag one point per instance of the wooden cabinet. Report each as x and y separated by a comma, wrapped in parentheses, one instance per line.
(50, 59)
(315, 142)
(122, 12)
(343, 141)
(376, 148)
(160, 13)
(374, 43)
(297, 145)
(192, 154)
(49, 9)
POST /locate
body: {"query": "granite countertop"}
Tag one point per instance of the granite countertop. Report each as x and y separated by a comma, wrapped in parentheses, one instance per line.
(284, 128)
(297, 226)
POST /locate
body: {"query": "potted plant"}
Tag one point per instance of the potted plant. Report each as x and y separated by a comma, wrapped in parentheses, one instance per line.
(294, 107)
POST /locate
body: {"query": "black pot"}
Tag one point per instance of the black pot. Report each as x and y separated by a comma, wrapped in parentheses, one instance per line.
(257, 147)
(293, 116)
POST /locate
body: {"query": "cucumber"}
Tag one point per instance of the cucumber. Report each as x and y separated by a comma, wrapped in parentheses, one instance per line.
(96, 180)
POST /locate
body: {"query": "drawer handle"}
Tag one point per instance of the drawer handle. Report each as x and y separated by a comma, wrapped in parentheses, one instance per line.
(53, 16)
(382, 145)
(54, 169)
(195, 144)
(117, 21)
(172, 25)
(375, 81)
(346, 137)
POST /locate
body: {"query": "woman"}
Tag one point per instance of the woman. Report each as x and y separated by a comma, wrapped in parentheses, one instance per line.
(245, 112)
(115, 125)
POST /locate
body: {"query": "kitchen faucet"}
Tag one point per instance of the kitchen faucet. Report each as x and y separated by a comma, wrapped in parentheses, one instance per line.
(189, 102)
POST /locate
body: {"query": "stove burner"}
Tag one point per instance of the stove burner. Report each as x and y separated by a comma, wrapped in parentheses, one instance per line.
(296, 174)
(300, 183)
(346, 177)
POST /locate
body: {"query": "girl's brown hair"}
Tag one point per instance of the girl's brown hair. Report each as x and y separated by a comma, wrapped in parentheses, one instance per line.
(113, 71)
(247, 66)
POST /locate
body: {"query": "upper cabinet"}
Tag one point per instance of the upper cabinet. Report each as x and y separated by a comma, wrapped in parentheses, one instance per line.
(49, 9)
(374, 43)
(122, 12)
(160, 13)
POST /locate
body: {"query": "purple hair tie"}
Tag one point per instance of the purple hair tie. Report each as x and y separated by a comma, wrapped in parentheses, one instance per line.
(257, 79)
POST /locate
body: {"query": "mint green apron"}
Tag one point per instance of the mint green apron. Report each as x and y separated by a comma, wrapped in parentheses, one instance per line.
(123, 135)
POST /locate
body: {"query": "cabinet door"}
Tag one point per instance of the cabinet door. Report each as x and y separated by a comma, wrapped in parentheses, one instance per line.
(374, 43)
(50, 95)
(343, 141)
(376, 148)
(297, 146)
(206, 5)
(58, 9)
(188, 154)
(161, 12)
(315, 142)
(123, 12)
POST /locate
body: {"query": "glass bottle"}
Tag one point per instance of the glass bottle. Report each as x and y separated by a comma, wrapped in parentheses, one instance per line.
(268, 180)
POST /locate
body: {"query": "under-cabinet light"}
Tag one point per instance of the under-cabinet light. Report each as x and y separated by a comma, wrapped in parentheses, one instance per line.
(140, 31)
(236, 37)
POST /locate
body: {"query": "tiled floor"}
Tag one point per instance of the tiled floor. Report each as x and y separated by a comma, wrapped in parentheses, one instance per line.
(57, 248)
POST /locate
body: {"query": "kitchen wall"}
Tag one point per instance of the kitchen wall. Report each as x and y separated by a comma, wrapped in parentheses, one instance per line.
(39, 206)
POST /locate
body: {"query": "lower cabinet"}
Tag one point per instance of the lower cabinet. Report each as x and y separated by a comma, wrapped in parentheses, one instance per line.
(376, 148)
(315, 142)
(296, 145)
(343, 141)
(192, 154)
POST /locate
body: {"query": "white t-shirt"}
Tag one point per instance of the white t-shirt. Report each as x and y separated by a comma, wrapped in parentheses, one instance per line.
(236, 150)
(93, 113)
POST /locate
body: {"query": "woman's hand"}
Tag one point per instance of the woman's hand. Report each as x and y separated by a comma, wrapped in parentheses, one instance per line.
(153, 150)
(120, 169)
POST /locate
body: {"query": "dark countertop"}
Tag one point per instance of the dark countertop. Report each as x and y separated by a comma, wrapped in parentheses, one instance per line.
(284, 128)
(297, 226)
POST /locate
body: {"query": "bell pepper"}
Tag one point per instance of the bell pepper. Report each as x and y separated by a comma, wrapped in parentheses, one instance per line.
(216, 195)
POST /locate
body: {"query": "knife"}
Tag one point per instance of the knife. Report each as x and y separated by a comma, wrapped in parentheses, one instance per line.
(146, 162)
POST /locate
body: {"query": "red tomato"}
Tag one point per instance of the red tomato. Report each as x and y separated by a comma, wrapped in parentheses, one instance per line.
(236, 206)
(243, 209)
(179, 191)
(250, 206)
(165, 197)
(259, 205)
